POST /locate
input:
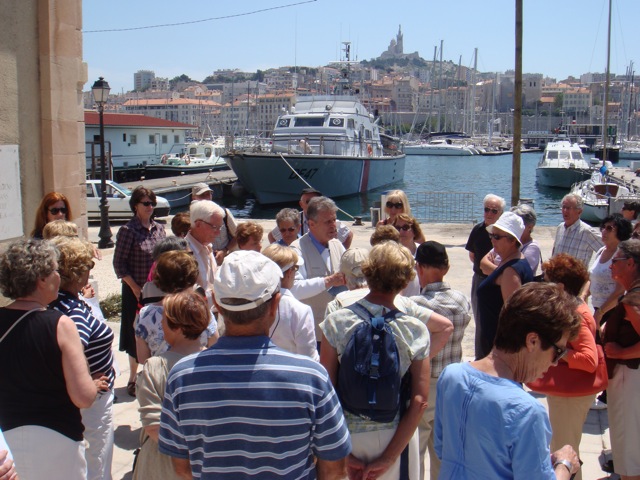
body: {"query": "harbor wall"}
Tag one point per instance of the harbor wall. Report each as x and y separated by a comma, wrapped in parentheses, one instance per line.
(41, 81)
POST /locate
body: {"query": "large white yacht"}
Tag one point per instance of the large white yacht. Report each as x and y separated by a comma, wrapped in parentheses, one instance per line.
(562, 165)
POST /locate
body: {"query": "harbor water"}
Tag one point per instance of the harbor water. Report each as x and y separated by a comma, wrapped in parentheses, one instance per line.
(478, 175)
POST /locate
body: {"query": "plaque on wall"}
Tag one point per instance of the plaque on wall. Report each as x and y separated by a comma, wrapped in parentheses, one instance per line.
(10, 198)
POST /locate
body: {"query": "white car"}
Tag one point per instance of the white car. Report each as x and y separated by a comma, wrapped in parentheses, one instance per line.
(118, 201)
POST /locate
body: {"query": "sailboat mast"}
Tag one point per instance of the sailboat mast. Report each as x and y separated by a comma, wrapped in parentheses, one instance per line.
(473, 92)
(605, 120)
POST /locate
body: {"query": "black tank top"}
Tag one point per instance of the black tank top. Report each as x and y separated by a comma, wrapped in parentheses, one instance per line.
(33, 387)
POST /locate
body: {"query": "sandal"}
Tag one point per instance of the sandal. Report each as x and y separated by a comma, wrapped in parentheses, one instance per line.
(131, 389)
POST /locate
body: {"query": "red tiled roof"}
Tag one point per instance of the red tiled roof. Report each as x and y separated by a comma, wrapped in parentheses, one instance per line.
(130, 120)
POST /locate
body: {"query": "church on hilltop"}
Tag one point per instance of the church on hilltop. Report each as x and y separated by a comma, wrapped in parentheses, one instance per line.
(396, 48)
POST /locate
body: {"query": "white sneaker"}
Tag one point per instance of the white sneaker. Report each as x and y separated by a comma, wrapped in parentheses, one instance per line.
(598, 405)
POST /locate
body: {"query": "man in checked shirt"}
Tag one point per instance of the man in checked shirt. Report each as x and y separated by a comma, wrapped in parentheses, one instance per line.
(432, 265)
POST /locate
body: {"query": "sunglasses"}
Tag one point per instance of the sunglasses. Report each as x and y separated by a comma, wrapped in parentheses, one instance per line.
(288, 229)
(492, 210)
(394, 205)
(558, 353)
(404, 228)
(148, 204)
(495, 236)
(608, 228)
(56, 210)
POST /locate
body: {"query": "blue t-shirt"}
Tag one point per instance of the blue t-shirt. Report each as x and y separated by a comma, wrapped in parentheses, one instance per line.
(488, 427)
(244, 408)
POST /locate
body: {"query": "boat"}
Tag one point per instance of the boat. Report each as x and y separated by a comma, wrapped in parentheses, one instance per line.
(599, 195)
(440, 146)
(630, 151)
(196, 157)
(329, 142)
(562, 165)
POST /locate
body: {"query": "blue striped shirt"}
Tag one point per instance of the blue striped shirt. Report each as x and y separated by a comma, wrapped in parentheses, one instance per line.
(96, 337)
(245, 408)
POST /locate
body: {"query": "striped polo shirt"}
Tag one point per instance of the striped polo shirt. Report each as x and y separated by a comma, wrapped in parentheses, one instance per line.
(245, 408)
(96, 336)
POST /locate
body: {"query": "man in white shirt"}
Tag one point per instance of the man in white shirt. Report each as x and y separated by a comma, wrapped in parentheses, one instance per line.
(206, 222)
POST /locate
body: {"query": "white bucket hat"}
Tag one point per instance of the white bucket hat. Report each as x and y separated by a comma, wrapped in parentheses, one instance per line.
(509, 223)
(247, 275)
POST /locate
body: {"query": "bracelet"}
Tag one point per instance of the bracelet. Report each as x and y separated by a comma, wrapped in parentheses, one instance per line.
(566, 463)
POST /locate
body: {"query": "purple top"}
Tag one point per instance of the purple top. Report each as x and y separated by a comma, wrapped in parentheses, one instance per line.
(134, 248)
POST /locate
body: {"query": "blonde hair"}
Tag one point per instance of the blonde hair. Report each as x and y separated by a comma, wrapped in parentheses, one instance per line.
(281, 255)
(398, 196)
(59, 228)
(76, 258)
(389, 268)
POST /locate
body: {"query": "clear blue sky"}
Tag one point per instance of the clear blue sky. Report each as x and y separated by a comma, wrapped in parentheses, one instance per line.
(561, 37)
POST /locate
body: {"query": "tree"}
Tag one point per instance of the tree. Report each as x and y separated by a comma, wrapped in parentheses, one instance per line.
(175, 80)
(558, 101)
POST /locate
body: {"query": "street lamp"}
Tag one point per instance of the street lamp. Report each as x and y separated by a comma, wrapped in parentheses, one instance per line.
(100, 90)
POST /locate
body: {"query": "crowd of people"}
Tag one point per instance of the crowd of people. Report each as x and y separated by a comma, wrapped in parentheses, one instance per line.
(299, 356)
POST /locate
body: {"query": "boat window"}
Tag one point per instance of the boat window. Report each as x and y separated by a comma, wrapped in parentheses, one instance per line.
(351, 123)
(552, 154)
(309, 121)
(577, 155)
(283, 122)
(336, 122)
(207, 151)
(564, 155)
(193, 151)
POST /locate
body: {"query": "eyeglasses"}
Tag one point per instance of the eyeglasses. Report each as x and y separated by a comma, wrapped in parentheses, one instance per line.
(148, 204)
(394, 205)
(56, 210)
(215, 227)
(492, 210)
(608, 228)
(288, 229)
(617, 259)
(404, 228)
(495, 236)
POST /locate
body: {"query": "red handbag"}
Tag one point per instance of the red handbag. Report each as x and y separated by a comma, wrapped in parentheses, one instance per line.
(562, 381)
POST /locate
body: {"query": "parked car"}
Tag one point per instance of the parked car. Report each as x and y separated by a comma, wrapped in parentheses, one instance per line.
(118, 200)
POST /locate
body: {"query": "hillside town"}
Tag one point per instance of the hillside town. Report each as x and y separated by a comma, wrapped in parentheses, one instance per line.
(407, 91)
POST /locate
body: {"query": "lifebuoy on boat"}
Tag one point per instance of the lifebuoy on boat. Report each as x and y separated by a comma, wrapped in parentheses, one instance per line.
(163, 159)
(187, 159)
(369, 149)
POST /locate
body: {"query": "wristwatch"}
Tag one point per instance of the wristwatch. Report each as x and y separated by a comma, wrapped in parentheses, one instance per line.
(566, 463)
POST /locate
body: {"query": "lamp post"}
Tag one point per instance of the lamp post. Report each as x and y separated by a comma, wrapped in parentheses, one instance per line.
(100, 90)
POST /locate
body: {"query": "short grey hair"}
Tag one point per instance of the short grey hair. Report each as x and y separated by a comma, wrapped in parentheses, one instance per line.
(320, 204)
(290, 214)
(23, 264)
(204, 210)
(495, 198)
(631, 249)
(576, 197)
(526, 213)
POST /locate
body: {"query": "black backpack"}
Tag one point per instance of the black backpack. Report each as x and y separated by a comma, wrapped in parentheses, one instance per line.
(369, 380)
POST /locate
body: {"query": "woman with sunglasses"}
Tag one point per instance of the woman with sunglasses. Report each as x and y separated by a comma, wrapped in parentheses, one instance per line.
(410, 234)
(604, 290)
(397, 203)
(622, 348)
(288, 224)
(54, 206)
(569, 406)
(485, 421)
(512, 272)
(132, 260)
(74, 265)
